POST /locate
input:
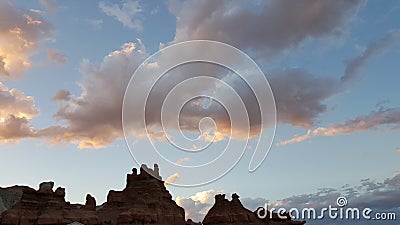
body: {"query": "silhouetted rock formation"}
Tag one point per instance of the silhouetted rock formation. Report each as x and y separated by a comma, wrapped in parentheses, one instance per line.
(144, 200)
(225, 212)
(46, 206)
(90, 203)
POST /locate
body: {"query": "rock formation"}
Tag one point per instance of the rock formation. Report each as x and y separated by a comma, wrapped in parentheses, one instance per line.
(45, 206)
(225, 212)
(144, 200)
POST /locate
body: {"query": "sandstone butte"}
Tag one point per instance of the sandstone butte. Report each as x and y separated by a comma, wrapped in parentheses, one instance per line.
(144, 200)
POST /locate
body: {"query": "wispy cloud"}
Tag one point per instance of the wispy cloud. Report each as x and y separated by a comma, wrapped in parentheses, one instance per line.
(56, 57)
(296, 139)
(182, 160)
(354, 65)
(172, 179)
(382, 118)
(126, 14)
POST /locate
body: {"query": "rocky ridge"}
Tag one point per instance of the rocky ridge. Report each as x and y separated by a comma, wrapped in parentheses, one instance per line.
(225, 212)
(144, 200)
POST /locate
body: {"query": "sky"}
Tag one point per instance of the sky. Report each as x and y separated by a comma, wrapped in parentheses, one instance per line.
(332, 67)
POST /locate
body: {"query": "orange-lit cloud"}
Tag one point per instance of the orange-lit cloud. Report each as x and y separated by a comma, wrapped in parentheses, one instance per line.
(296, 138)
(182, 160)
(15, 112)
(172, 179)
(20, 33)
(387, 118)
(15, 102)
(93, 119)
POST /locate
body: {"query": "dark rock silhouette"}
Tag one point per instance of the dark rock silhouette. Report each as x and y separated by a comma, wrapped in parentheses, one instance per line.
(225, 212)
(144, 200)
(90, 203)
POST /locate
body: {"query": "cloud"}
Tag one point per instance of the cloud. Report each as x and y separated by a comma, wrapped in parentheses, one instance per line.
(296, 139)
(14, 128)
(354, 65)
(56, 57)
(382, 118)
(182, 161)
(93, 119)
(15, 102)
(21, 31)
(62, 95)
(380, 196)
(398, 150)
(299, 95)
(197, 206)
(172, 179)
(15, 112)
(239, 23)
(3, 71)
(124, 14)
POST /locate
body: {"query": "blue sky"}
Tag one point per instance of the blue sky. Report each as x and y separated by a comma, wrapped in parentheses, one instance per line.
(307, 56)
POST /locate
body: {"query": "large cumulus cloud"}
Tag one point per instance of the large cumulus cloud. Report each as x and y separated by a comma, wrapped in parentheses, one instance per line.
(94, 120)
(94, 117)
